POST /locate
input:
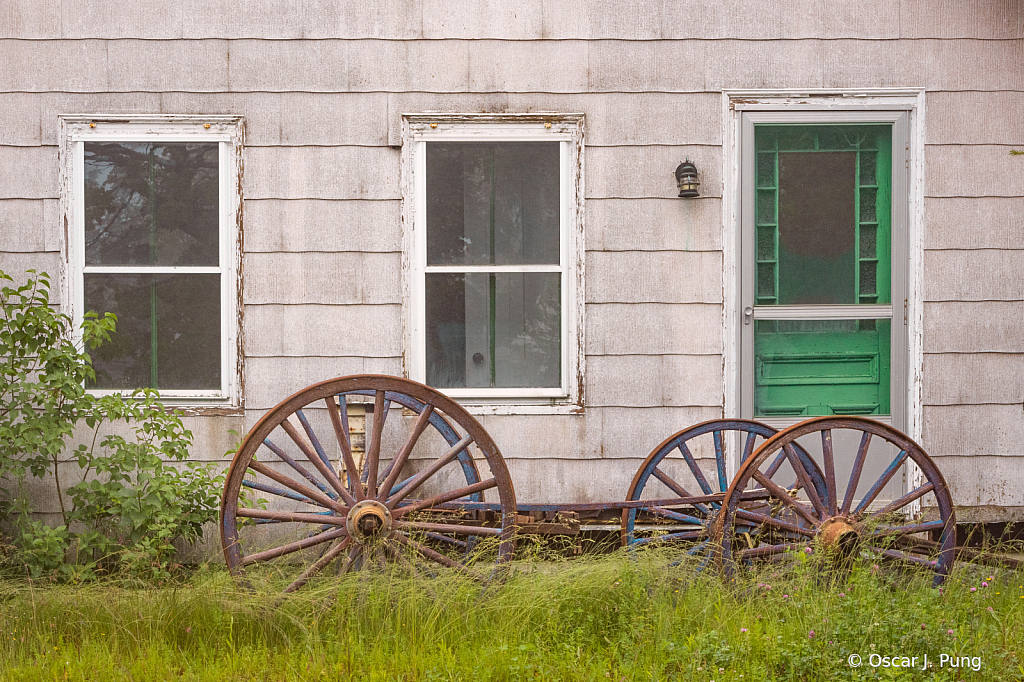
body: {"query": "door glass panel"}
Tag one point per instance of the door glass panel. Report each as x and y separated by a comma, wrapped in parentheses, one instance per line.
(493, 330)
(493, 203)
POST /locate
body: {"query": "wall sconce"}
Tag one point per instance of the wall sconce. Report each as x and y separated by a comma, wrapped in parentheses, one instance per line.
(686, 178)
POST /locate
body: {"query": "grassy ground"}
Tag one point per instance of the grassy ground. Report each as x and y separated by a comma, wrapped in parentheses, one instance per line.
(608, 618)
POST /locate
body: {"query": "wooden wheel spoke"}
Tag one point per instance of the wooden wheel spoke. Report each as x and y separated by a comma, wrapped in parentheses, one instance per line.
(353, 556)
(776, 463)
(783, 496)
(315, 495)
(909, 529)
(748, 446)
(314, 452)
(446, 528)
(676, 516)
(676, 488)
(898, 504)
(904, 556)
(299, 469)
(395, 469)
(428, 553)
(338, 411)
(672, 537)
(830, 470)
(766, 520)
(858, 467)
(723, 483)
(882, 481)
(280, 492)
(419, 478)
(315, 568)
(771, 550)
(317, 539)
(441, 498)
(297, 517)
(380, 416)
(462, 544)
(695, 470)
(805, 480)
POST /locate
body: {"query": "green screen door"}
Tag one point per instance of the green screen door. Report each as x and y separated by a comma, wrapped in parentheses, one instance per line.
(822, 270)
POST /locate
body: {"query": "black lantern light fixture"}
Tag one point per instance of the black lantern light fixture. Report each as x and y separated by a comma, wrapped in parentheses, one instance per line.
(686, 178)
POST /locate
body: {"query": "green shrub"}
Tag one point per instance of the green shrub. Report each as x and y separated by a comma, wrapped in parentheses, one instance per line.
(134, 496)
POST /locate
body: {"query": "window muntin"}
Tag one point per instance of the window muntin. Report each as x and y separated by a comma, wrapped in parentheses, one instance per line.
(154, 208)
(495, 263)
(819, 275)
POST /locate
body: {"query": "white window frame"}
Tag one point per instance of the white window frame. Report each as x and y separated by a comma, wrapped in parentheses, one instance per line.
(227, 131)
(567, 129)
(838, 107)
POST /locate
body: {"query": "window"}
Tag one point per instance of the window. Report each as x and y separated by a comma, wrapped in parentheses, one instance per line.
(823, 282)
(496, 256)
(152, 206)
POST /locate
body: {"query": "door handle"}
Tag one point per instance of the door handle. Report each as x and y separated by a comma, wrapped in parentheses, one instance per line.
(748, 315)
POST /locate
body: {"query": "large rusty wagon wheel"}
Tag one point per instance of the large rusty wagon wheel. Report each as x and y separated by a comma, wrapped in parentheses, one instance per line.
(684, 497)
(869, 515)
(297, 498)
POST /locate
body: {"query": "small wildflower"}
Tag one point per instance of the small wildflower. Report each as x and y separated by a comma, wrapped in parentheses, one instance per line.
(990, 610)
(721, 670)
(743, 629)
(786, 596)
(923, 626)
(984, 584)
(807, 550)
(950, 632)
(188, 629)
(811, 634)
(842, 594)
(974, 589)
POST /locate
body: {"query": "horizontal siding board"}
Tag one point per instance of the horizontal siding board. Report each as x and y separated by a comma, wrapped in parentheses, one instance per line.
(956, 379)
(54, 104)
(28, 173)
(647, 172)
(34, 66)
(306, 65)
(323, 330)
(961, 64)
(532, 66)
(990, 19)
(323, 278)
(322, 225)
(602, 19)
(667, 223)
(622, 66)
(631, 432)
(973, 430)
(294, 118)
(653, 329)
(482, 19)
(974, 327)
(148, 65)
(31, 19)
(983, 275)
(212, 437)
(981, 171)
(994, 118)
(28, 225)
(269, 380)
(985, 481)
(654, 380)
(20, 122)
(654, 276)
(16, 265)
(974, 223)
(770, 64)
(322, 173)
(568, 481)
(435, 66)
(447, 102)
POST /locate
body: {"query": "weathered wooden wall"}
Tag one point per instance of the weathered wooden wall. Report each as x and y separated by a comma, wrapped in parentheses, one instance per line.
(322, 85)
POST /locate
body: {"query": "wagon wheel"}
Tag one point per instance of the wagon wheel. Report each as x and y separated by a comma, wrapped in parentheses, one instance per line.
(842, 522)
(680, 493)
(321, 510)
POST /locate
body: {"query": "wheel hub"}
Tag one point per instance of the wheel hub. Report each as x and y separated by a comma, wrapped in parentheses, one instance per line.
(839, 534)
(367, 521)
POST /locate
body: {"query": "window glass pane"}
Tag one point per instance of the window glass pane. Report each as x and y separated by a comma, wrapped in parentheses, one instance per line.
(493, 203)
(151, 203)
(168, 330)
(821, 367)
(817, 228)
(499, 330)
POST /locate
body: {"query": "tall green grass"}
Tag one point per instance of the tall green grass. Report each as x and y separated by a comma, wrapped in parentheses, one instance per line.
(597, 618)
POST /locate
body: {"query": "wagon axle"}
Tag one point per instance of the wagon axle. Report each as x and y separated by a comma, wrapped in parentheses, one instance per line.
(367, 521)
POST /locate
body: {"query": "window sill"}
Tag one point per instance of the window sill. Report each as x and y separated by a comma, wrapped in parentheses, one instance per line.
(519, 408)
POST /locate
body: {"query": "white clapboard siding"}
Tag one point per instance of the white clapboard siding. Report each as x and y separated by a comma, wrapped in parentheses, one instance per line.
(269, 380)
(654, 329)
(654, 277)
(974, 222)
(297, 225)
(16, 266)
(342, 278)
(974, 327)
(973, 430)
(323, 330)
(28, 173)
(980, 275)
(953, 379)
(655, 380)
(322, 173)
(981, 171)
(1000, 124)
(654, 224)
(29, 225)
(626, 172)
